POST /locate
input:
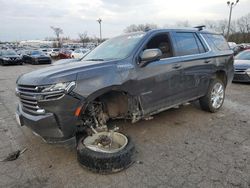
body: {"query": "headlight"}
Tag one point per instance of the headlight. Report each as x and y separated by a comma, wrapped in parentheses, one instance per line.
(248, 71)
(64, 86)
(6, 58)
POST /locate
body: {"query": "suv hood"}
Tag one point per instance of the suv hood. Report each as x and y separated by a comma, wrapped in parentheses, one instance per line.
(63, 61)
(61, 72)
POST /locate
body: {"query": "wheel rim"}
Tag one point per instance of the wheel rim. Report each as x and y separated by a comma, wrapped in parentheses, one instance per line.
(106, 142)
(217, 95)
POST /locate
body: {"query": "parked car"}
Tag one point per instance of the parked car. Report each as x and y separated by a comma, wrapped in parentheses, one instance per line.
(45, 50)
(132, 76)
(54, 52)
(36, 57)
(64, 54)
(10, 57)
(79, 53)
(242, 67)
(232, 45)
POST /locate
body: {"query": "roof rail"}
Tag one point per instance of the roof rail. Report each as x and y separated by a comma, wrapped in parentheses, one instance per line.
(200, 27)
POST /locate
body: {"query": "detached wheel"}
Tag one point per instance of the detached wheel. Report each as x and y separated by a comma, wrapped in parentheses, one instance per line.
(215, 96)
(105, 153)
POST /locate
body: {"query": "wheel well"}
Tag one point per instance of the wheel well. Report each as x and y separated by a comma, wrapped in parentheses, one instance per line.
(115, 103)
(222, 76)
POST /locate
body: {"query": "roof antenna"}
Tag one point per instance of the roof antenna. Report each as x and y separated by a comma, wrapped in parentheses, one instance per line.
(200, 27)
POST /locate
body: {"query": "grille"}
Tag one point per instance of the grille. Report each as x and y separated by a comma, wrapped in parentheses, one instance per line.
(241, 77)
(28, 97)
(240, 70)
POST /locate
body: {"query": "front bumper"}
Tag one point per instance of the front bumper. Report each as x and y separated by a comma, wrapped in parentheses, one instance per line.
(57, 124)
(241, 77)
(12, 62)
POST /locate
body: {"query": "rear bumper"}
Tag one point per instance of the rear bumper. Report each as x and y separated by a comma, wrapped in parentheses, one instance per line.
(41, 61)
(44, 61)
(57, 124)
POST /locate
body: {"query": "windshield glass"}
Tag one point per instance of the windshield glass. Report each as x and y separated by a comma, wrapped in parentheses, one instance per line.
(9, 52)
(36, 52)
(115, 48)
(245, 55)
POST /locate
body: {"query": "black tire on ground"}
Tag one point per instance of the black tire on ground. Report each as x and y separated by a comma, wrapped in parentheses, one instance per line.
(105, 163)
(205, 101)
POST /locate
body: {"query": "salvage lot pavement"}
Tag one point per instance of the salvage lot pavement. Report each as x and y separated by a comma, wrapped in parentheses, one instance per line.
(184, 147)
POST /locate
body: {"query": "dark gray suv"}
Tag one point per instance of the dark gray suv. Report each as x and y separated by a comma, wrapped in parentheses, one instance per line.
(132, 76)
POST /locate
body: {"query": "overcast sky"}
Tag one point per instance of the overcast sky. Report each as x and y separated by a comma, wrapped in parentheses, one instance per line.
(31, 19)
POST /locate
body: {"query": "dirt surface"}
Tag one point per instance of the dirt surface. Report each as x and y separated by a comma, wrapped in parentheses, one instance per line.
(183, 147)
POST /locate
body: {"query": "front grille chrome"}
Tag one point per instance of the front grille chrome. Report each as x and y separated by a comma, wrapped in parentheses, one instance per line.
(29, 99)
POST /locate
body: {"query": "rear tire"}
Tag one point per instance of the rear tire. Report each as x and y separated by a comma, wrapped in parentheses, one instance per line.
(214, 98)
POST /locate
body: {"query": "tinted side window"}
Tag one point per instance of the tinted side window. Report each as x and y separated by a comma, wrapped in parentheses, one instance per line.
(216, 41)
(186, 44)
(162, 42)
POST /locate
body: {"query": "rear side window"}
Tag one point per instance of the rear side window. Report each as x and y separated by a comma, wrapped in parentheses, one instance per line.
(188, 44)
(217, 42)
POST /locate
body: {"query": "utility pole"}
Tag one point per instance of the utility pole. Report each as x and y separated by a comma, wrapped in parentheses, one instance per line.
(100, 23)
(231, 6)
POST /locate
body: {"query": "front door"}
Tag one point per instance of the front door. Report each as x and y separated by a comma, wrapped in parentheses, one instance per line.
(157, 83)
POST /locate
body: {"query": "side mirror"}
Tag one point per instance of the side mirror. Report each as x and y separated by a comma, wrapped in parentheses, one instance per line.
(149, 55)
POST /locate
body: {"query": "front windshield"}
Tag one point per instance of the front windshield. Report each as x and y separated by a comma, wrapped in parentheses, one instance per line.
(9, 52)
(115, 48)
(245, 55)
(37, 52)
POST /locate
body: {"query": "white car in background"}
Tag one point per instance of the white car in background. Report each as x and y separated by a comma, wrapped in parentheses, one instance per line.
(79, 53)
(54, 52)
(232, 45)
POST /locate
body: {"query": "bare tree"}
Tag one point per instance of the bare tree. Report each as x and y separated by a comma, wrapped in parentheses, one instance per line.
(211, 25)
(239, 29)
(84, 37)
(58, 31)
(139, 27)
(222, 27)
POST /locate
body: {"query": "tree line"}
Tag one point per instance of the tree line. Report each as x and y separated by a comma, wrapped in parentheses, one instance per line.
(239, 29)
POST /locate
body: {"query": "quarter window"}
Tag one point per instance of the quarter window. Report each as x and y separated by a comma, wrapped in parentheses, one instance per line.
(216, 41)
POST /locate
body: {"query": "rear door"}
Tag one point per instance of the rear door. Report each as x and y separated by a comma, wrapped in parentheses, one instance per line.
(193, 62)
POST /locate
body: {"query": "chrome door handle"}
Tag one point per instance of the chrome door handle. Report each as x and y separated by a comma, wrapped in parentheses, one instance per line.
(207, 61)
(176, 66)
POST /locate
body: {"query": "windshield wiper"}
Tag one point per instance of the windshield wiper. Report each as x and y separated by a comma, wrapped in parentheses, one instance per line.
(94, 60)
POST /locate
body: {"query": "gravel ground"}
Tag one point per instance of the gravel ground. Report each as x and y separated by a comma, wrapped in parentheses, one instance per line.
(184, 147)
